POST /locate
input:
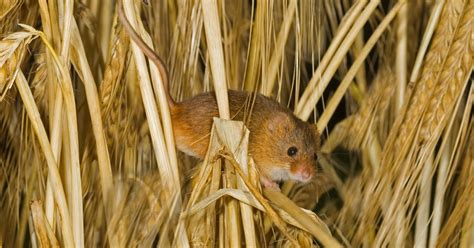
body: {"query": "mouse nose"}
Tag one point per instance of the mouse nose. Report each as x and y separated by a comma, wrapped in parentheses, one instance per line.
(304, 173)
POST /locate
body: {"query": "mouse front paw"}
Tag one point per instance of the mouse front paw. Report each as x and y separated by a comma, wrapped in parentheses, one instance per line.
(269, 184)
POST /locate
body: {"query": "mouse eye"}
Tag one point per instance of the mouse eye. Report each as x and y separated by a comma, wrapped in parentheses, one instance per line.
(292, 151)
(315, 156)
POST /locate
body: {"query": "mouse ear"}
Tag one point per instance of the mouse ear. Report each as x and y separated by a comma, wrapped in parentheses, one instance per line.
(279, 122)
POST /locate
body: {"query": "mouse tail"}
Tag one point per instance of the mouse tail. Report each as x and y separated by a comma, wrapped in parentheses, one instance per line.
(148, 52)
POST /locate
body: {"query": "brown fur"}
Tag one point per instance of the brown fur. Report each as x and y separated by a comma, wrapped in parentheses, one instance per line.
(273, 129)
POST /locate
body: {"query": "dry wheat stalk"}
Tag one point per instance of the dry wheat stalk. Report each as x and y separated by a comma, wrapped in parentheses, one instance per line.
(184, 53)
(323, 74)
(335, 100)
(43, 231)
(278, 52)
(168, 167)
(81, 65)
(256, 52)
(213, 34)
(110, 86)
(458, 213)
(454, 156)
(404, 183)
(52, 167)
(431, 67)
(372, 109)
(338, 38)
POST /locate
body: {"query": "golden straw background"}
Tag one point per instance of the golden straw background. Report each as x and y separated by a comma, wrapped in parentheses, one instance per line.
(87, 153)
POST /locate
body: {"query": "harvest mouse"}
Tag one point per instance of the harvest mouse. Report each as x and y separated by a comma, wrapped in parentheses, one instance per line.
(282, 146)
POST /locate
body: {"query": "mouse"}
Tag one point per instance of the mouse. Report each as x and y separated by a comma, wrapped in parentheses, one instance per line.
(282, 146)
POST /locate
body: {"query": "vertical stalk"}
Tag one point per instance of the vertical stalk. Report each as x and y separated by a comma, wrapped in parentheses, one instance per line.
(401, 57)
(216, 55)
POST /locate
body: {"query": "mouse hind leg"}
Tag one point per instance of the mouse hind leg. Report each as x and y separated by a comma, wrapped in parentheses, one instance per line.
(192, 123)
(189, 140)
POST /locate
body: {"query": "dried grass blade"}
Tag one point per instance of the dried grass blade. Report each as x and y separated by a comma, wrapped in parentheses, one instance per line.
(270, 211)
(401, 57)
(56, 146)
(256, 38)
(66, 16)
(333, 47)
(56, 107)
(458, 214)
(167, 172)
(232, 212)
(38, 127)
(40, 228)
(82, 66)
(235, 136)
(43, 230)
(161, 96)
(240, 195)
(214, 44)
(290, 207)
(278, 51)
(467, 230)
(7, 7)
(422, 217)
(431, 26)
(305, 108)
(163, 141)
(76, 186)
(448, 165)
(341, 90)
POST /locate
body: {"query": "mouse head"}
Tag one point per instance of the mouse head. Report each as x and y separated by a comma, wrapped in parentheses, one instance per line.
(288, 148)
